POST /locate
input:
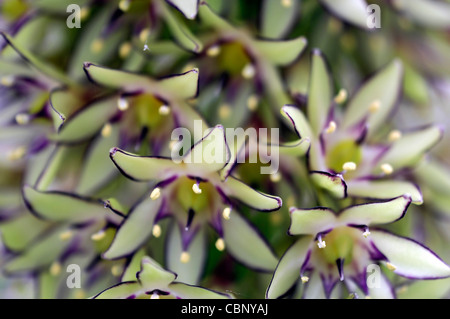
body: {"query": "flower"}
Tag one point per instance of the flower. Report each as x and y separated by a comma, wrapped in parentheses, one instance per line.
(346, 156)
(340, 247)
(153, 282)
(191, 191)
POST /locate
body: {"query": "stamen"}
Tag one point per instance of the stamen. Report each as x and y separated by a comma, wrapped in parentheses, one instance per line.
(321, 243)
(224, 111)
(304, 279)
(55, 268)
(331, 128)
(164, 110)
(66, 235)
(286, 3)
(220, 244)
(252, 102)
(17, 153)
(341, 97)
(213, 51)
(394, 135)
(154, 296)
(275, 178)
(155, 193)
(116, 270)
(185, 257)
(196, 188)
(144, 34)
(387, 168)
(125, 49)
(366, 232)
(22, 118)
(84, 13)
(349, 166)
(7, 80)
(156, 231)
(98, 235)
(390, 266)
(122, 104)
(248, 72)
(97, 45)
(375, 106)
(106, 130)
(226, 214)
(124, 5)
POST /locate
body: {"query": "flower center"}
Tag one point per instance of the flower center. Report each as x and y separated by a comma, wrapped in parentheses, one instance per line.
(342, 153)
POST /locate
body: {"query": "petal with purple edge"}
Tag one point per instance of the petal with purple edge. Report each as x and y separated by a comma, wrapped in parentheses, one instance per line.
(281, 52)
(87, 122)
(208, 155)
(250, 197)
(143, 168)
(184, 86)
(117, 79)
(431, 14)
(133, 266)
(333, 183)
(185, 291)
(123, 290)
(382, 89)
(135, 229)
(375, 213)
(297, 120)
(311, 221)
(190, 271)
(411, 147)
(384, 189)
(320, 92)
(288, 270)
(246, 244)
(410, 259)
(60, 206)
(152, 276)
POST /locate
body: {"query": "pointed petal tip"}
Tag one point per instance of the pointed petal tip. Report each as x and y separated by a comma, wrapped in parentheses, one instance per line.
(87, 65)
(113, 151)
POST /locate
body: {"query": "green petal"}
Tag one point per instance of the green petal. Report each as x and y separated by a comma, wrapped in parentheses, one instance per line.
(59, 6)
(183, 35)
(433, 14)
(46, 69)
(184, 85)
(277, 19)
(97, 168)
(288, 269)
(116, 79)
(19, 232)
(141, 168)
(384, 87)
(410, 258)
(60, 206)
(135, 229)
(435, 175)
(245, 244)
(184, 291)
(121, 291)
(334, 184)
(421, 289)
(64, 103)
(297, 120)
(152, 276)
(133, 267)
(311, 221)
(39, 254)
(208, 155)
(250, 197)
(297, 148)
(384, 291)
(375, 213)
(384, 190)
(351, 11)
(281, 52)
(191, 271)
(320, 92)
(188, 7)
(87, 122)
(410, 148)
